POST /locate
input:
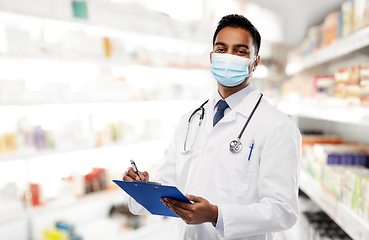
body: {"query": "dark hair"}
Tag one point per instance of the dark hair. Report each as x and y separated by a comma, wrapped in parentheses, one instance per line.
(239, 21)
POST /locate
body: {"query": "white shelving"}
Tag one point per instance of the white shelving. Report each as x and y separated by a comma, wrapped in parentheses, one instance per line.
(343, 117)
(142, 110)
(60, 205)
(335, 51)
(322, 110)
(346, 218)
(144, 103)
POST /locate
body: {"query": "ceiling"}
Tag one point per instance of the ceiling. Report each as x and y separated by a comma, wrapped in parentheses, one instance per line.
(299, 15)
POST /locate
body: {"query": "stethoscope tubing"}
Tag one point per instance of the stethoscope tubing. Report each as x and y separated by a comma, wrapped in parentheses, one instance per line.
(201, 108)
(238, 146)
(249, 118)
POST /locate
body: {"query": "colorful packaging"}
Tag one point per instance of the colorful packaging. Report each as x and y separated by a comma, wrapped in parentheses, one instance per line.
(8, 143)
(363, 208)
(354, 75)
(360, 14)
(330, 28)
(347, 196)
(333, 177)
(347, 18)
(364, 84)
(324, 85)
(365, 188)
(342, 76)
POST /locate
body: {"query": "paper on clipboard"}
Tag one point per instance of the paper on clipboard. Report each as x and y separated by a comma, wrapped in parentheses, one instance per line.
(148, 195)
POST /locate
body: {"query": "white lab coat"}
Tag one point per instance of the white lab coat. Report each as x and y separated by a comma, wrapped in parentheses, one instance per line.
(256, 197)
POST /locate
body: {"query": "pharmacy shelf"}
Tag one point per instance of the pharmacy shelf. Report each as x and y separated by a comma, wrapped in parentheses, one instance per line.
(109, 196)
(329, 111)
(143, 110)
(339, 49)
(346, 218)
(116, 157)
(33, 153)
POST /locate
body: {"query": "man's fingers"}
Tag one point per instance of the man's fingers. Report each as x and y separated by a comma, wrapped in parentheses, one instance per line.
(145, 176)
(127, 178)
(130, 175)
(194, 198)
(181, 212)
(180, 204)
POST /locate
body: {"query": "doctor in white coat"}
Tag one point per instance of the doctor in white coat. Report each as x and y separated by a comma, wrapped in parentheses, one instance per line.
(249, 194)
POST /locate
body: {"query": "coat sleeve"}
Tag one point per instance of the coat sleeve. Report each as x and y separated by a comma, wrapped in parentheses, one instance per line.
(166, 175)
(277, 206)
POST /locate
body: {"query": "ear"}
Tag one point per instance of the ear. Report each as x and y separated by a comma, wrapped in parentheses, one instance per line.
(211, 56)
(256, 63)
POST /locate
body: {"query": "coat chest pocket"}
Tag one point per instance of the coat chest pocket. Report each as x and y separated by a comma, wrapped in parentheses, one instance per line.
(233, 170)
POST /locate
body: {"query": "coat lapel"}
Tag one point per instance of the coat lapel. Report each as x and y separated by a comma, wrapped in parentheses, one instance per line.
(209, 112)
(244, 107)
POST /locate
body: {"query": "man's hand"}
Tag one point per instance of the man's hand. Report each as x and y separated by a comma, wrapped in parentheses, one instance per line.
(200, 211)
(130, 175)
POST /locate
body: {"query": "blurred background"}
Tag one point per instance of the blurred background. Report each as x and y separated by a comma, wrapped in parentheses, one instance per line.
(87, 85)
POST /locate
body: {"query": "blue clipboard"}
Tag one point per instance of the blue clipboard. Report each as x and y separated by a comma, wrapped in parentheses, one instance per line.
(148, 195)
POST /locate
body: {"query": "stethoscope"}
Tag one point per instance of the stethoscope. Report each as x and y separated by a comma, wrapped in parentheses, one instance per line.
(235, 146)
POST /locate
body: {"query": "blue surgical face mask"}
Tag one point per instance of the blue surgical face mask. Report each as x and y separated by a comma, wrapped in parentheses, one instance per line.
(228, 69)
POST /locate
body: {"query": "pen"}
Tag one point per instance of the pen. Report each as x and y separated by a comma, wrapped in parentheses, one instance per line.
(251, 147)
(133, 164)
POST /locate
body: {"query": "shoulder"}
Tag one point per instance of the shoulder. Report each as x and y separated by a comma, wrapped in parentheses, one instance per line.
(271, 116)
(200, 108)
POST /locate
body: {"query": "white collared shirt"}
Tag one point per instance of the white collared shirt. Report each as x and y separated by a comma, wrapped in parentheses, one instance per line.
(232, 100)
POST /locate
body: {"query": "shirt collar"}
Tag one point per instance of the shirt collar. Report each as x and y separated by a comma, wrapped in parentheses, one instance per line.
(235, 98)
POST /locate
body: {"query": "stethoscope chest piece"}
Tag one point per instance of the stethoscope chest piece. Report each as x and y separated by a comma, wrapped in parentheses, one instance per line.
(235, 146)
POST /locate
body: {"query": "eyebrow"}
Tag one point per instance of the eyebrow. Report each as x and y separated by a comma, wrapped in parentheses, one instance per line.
(220, 43)
(242, 45)
(236, 45)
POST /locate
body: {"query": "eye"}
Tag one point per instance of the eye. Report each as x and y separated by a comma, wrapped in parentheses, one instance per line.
(242, 52)
(219, 50)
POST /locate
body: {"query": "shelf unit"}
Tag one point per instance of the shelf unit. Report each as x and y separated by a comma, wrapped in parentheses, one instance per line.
(332, 116)
(356, 42)
(346, 218)
(135, 41)
(42, 210)
(322, 110)
(147, 110)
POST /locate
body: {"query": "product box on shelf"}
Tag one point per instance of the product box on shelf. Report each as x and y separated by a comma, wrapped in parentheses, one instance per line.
(353, 16)
(361, 8)
(331, 28)
(341, 168)
(333, 178)
(347, 17)
(8, 143)
(363, 201)
(324, 86)
(310, 160)
(363, 208)
(364, 84)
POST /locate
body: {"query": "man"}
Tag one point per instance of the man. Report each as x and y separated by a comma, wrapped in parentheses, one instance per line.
(246, 194)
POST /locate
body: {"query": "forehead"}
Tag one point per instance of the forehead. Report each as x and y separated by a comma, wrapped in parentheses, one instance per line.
(231, 36)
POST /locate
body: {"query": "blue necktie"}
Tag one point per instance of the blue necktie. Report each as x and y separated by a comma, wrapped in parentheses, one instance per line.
(222, 105)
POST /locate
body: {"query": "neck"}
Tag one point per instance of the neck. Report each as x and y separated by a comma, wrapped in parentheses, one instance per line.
(228, 91)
